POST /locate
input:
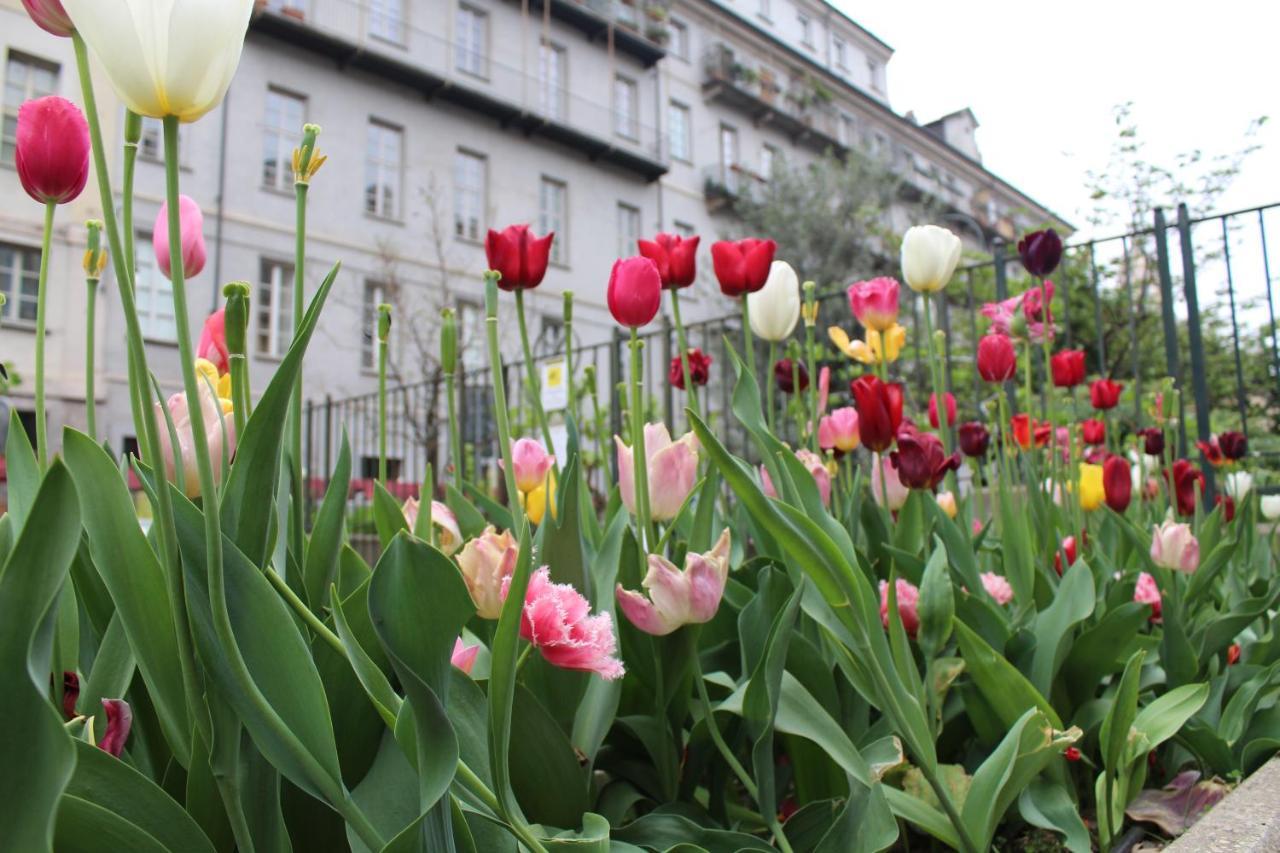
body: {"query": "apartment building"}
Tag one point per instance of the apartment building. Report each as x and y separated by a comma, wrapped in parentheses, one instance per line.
(602, 120)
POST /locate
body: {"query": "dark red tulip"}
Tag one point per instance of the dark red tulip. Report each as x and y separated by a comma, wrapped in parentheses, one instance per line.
(1070, 549)
(1233, 444)
(997, 360)
(1228, 505)
(1040, 251)
(675, 256)
(699, 369)
(742, 267)
(879, 408)
(1105, 393)
(1186, 478)
(974, 438)
(635, 291)
(70, 693)
(518, 255)
(949, 401)
(1068, 368)
(1093, 431)
(785, 374)
(51, 150)
(920, 459)
(1117, 483)
(1212, 451)
(1152, 441)
(119, 721)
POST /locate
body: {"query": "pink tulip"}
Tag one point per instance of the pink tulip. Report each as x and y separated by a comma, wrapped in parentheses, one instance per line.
(51, 149)
(487, 562)
(531, 462)
(193, 251)
(50, 17)
(213, 341)
(556, 620)
(908, 596)
(219, 422)
(1173, 546)
(949, 401)
(1001, 314)
(448, 535)
(672, 469)
(839, 430)
(119, 721)
(676, 598)
(892, 495)
(464, 656)
(875, 302)
(813, 462)
(997, 587)
(1147, 592)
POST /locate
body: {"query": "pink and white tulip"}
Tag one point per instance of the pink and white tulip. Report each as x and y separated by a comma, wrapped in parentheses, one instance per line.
(487, 563)
(892, 494)
(908, 595)
(1174, 546)
(531, 462)
(675, 597)
(1147, 592)
(997, 587)
(448, 534)
(464, 656)
(672, 468)
(838, 431)
(219, 425)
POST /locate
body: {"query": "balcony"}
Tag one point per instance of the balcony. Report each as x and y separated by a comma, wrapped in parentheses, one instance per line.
(639, 28)
(802, 111)
(725, 186)
(428, 64)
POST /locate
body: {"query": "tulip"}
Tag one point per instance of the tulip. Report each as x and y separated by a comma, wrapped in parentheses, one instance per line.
(950, 401)
(929, 257)
(1238, 484)
(448, 535)
(1228, 505)
(213, 393)
(1072, 754)
(531, 463)
(974, 439)
(1233, 654)
(997, 360)
(193, 251)
(742, 267)
(51, 149)
(774, 309)
(1270, 505)
(997, 587)
(464, 656)
(879, 407)
(672, 467)
(699, 369)
(1001, 314)
(920, 459)
(677, 598)
(1093, 431)
(70, 693)
(908, 595)
(213, 341)
(635, 291)
(165, 59)
(838, 431)
(1117, 483)
(785, 374)
(1152, 441)
(119, 722)
(1037, 311)
(1040, 252)
(1147, 592)
(1174, 546)
(1105, 394)
(879, 347)
(676, 258)
(556, 620)
(1212, 452)
(49, 16)
(535, 503)
(1069, 548)
(886, 488)
(518, 255)
(1187, 480)
(1068, 368)
(818, 469)
(947, 503)
(875, 303)
(1234, 445)
(1027, 430)
(487, 562)
(1092, 487)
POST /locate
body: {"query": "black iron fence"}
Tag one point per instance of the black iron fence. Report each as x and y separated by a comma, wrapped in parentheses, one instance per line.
(1185, 297)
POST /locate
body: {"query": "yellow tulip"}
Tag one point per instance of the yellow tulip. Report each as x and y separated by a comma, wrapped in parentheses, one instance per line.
(535, 502)
(1092, 492)
(875, 349)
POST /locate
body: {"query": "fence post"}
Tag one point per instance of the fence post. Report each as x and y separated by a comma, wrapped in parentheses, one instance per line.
(1002, 293)
(1196, 344)
(615, 401)
(328, 435)
(1172, 363)
(307, 469)
(668, 398)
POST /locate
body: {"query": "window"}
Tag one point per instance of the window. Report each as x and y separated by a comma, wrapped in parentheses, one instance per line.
(628, 229)
(469, 194)
(763, 9)
(552, 92)
(472, 41)
(154, 296)
(373, 297)
(25, 77)
(768, 156)
(847, 129)
(679, 39)
(625, 107)
(873, 73)
(471, 353)
(728, 155)
(684, 229)
(678, 129)
(383, 151)
(19, 282)
(151, 143)
(386, 20)
(282, 132)
(838, 49)
(806, 30)
(553, 215)
(275, 307)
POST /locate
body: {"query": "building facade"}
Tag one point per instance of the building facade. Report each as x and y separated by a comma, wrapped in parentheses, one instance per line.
(601, 120)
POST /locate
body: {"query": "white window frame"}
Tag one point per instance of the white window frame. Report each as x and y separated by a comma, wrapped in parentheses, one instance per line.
(769, 155)
(471, 41)
(764, 9)
(384, 172)
(840, 52)
(806, 29)
(275, 308)
(29, 90)
(684, 151)
(553, 88)
(281, 139)
(730, 155)
(679, 39)
(470, 202)
(628, 229)
(22, 269)
(553, 215)
(626, 107)
(387, 20)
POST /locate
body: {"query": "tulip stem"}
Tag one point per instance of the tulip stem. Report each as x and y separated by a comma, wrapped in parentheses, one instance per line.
(294, 414)
(691, 392)
(42, 428)
(814, 414)
(748, 344)
(382, 410)
(768, 387)
(90, 333)
(455, 429)
(500, 401)
(713, 728)
(640, 461)
(535, 384)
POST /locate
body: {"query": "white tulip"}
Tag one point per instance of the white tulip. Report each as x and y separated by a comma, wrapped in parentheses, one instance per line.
(929, 257)
(1238, 484)
(775, 308)
(1271, 507)
(165, 57)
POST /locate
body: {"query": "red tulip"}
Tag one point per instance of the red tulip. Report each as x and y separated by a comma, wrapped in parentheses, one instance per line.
(213, 341)
(1021, 425)
(50, 16)
(1068, 368)
(1093, 431)
(785, 375)
(191, 221)
(920, 460)
(879, 408)
(1117, 483)
(1040, 252)
(1152, 441)
(635, 291)
(974, 438)
(675, 256)
(1212, 452)
(1228, 505)
(51, 149)
(119, 721)
(699, 369)
(1105, 393)
(70, 693)
(742, 267)
(1071, 754)
(1069, 548)
(519, 256)
(950, 401)
(1234, 444)
(1233, 654)
(997, 361)
(1186, 477)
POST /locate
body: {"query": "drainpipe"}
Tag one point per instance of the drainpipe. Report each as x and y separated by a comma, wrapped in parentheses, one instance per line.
(222, 187)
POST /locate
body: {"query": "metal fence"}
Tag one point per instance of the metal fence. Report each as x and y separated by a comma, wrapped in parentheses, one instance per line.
(1187, 297)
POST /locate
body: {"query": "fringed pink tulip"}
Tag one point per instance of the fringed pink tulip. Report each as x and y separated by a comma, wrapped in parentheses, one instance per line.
(675, 597)
(213, 341)
(997, 587)
(531, 462)
(838, 431)
(51, 149)
(487, 562)
(448, 534)
(672, 469)
(119, 721)
(1174, 546)
(50, 17)
(193, 250)
(556, 620)
(464, 656)
(219, 428)
(1147, 592)
(908, 595)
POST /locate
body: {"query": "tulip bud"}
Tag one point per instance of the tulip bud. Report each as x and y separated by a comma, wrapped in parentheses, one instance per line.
(307, 160)
(51, 149)
(886, 488)
(742, 267)
(1117, 481)
(1105, 394)
(1040, 252)
(236, 318)
(674, 256)
(49, 16)
(531, 463)
(997, 587)
(1092, 490)
(1173, 546)
(949, 401)
(947, 503)
(464, 656)
(95, 256)
(875, 302)
(635, 291)
(384, 322)
(908, 596)
(809, 311)
(838, 431)
(486, 562)
(448, 341)
(213, 341)
(974, 439)
(132, 128)
(997, 360)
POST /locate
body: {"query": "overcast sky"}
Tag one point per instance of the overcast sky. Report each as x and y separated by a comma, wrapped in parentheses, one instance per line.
(1042, 80)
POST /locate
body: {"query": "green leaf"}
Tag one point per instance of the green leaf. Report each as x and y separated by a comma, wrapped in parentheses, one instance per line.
(1114, 735)
(1072, 603)
(1162, 718)
(1019, 561)
(960, 552)
(1235, 717)
(470, 521)
(388, 515)
(1102, 650)
(545, 774)
(1006, 689)
(86, 827)
(559, 540)
(22, 472)
(371, 677)
(325, 545)
(113, 668)
(1048, 805)
(937, 604)
(662, 831)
